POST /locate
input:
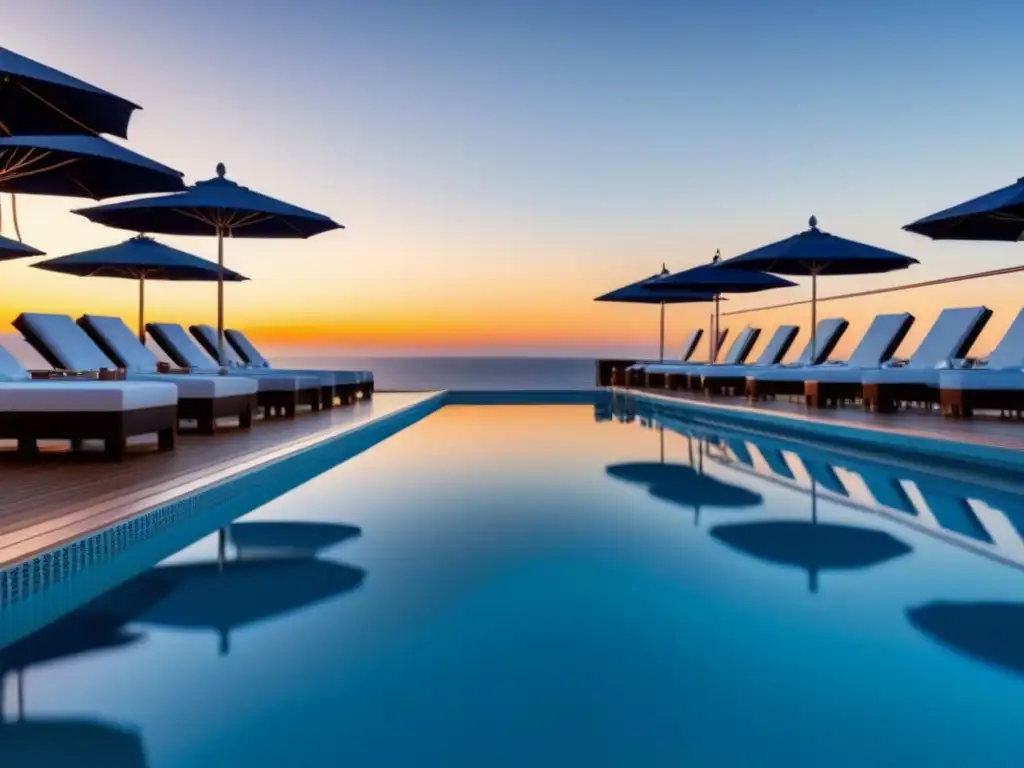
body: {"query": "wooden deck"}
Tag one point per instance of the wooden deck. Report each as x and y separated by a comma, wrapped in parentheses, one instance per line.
(59, 495)
(982, 429)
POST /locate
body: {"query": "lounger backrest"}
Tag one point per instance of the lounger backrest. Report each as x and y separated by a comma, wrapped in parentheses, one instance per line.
(179, 346)
(119, 343)
(950, 337)
(10, 368)
(1009, 353)
(778, 345)
(741, 346)
(689, 344)
(206, 335)
(61, 342)
(883, 337)
(825, 340)
(248, 350)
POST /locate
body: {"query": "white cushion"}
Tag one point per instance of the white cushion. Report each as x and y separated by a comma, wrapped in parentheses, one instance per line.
(249, 350)
(676, 368)
(786, 373)
(126, 345)
(10, 368)
(927, 376)
(981, 380)
(84, 396)
(209, 334)
(728, 371)
(184, 346)
(67, 342)
(877, 340)
(281, 383)
(946, 336)
(202, 387)
(259, 363)
(840, 374)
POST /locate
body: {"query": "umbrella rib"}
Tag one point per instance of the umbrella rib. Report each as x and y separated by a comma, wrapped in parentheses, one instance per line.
(11, 172)
(57, 109)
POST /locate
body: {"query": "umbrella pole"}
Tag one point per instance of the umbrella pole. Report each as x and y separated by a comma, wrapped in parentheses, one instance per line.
(220, 296)
(142, 307)
(714, 357)
(814, 314)
(661, 346)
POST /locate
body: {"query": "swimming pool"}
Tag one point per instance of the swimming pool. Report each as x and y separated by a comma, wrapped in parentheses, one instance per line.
(557, 585)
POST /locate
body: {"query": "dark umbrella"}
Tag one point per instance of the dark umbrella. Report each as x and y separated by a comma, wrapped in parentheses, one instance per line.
(814, 253)
(79, 166)
(288, 538)
(216, 207)
(991, 632)
(140, 258)
(225, 597)
(36, 99)
(997, 216)
(12, 249)
(636, 293)
(711, 279)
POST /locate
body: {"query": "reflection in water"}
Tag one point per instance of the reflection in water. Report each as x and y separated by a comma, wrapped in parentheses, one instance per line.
(682, 484)
(227, 596)
(990, 632)
(52, 742)
(292, 539)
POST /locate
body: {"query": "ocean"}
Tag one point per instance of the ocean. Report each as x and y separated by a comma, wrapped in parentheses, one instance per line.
(460, 373)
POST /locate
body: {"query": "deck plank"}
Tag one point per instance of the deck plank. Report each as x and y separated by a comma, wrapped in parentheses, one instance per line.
(58, 483)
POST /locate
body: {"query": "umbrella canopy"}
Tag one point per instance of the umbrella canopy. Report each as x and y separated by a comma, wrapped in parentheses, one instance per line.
(710, 278)
(288, 538)
(992, 632)
(140, 258)
(814, 253)
(811, 546)
(36, 99)
(217, 207)
(245, 592)
(637, 293)
(12, 249)
(79, 166)
(996, 216)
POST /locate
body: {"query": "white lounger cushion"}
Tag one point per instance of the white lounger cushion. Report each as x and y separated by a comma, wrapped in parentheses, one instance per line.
(11, 369)
(67, 342)
(195, 387)
(739, 345)
(250, 353)
(982, 380)
(927, 376)
(768, 357)
(124, 343)
(84, 396)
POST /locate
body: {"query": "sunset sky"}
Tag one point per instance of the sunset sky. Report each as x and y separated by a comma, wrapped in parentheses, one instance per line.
(499, 164)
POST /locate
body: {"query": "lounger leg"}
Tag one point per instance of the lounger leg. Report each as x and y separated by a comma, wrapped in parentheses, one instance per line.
(245, 418)
(27, 446)
(326, 397)
(289, 409)
(114, 448)
(76, 444)
(165, 439)
(207, 425)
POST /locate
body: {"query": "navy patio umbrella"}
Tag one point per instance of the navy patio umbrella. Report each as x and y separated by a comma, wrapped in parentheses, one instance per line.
(710, 278)
(12, 249)
(814, 253)
(637, 293)
(38, 100)
(140, 258)
(217, 208)
(79, 166)
(997, 216)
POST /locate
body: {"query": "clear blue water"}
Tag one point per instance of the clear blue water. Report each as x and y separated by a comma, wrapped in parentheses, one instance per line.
(463, 373)
(553, 586)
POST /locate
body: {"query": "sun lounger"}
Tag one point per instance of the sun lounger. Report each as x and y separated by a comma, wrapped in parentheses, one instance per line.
(996, 383)
(678, 375)
(950, 336)
(949, 339)
(341, 384)
(345, 385)
(722, 378)
(202, 399)
(247, 351)
(878, 345)
(280, 392)
(80, 409)
(689, 347)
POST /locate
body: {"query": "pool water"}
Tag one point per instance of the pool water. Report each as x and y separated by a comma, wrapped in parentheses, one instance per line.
(556, 585)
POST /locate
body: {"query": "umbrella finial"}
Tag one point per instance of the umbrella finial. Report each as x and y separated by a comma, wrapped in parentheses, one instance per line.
(221, 170)
(717, 257)
(664, 269)
(813, 221)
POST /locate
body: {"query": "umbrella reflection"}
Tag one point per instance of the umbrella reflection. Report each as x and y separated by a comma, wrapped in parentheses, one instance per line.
(44, 742)
(228, 596)
(682, 484)
(992, 632)
(293, 539)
